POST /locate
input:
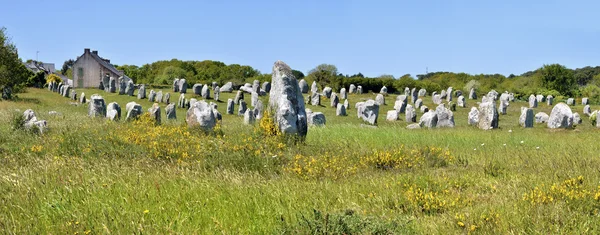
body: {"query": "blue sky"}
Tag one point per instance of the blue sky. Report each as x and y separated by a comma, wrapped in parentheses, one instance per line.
(372, 36)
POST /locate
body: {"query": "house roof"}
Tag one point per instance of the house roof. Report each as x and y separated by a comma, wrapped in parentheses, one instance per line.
(105, 64)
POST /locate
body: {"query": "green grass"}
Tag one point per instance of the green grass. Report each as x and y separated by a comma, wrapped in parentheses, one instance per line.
(83, 176)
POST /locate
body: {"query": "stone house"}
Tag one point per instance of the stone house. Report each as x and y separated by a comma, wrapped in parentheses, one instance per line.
(89, 69)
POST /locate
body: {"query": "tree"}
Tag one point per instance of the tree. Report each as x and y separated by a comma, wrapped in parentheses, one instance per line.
(299, 75)
(328, 69)
(37, 80)
(558, 77)
(68, 64)
(13, 74)
(53, 78)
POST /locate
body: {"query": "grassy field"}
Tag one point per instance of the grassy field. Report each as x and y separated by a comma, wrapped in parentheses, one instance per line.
(95, 176)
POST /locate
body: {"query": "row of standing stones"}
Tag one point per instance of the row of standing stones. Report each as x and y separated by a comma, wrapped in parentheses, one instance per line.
(287, 103)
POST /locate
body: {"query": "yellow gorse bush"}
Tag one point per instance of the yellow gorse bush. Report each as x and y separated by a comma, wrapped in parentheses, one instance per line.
(569, 190)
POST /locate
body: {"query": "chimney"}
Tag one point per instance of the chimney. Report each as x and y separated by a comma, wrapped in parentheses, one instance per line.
(86, 50)
(95, 52)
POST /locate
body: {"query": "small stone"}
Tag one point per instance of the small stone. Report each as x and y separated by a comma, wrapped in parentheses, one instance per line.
(526, 118)
(541, 117)
(560, 117)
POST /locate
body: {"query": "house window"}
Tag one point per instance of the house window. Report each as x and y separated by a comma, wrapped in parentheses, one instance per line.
(80, 72)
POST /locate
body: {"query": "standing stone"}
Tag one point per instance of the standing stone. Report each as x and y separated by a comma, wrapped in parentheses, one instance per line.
(167, 98)
(266, 86)
(414, 96)
(458, 93)
(587, 111)
(314, 88)
(346, 104)
(343, 94)
(259, 110)
(256, 86)
(473, 117)
(461, 102)
(122, 86)
(97, 107)
(183, 86)
(242, 109)
(82, 98)
(239, 96)
(359, 108)
(493, 94)
(576, 119)
(532, 101)
(424, 109)
(315, 99)
(100, 87)
(253, 99)
(526, 118)
(540, 98)
(202, 116)
(327, 92)
(227, 88)
(287, 102)
(130, 88)
(407, 92)
(249, 117)
(504, 103)
(113, 111)
(584, 101)
(159, 97)
(197, 89)
(334, 100)
(437, 99)
(400, 104)
(488, 115)
(560, 117)
(134, 110)
(550, 100)
(176, 85)
(205, 92)
(151, 96)
(303, 86)
(66, 91)
(171, 112)
(359, 90)
(142, 92)
(411, 114)
(352, 89)
(418, 103)
(112, 87)
(571, 102)
(340, 110)
(472, 94)
(422, 92)
(217, 93)
(186, 104)
(541, 117)
(392, 116)
(214, 86)
(230, 106)
(370, 111)
(383, 90)
(315, 118)
(443, 94)
(73, 95)
(445, 116)
(448, 96)
(380, 99)
(429, 119)
(181, 101)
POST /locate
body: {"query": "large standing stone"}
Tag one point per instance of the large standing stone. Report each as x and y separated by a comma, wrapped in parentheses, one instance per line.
(66, 91)
(122, 86)
(205, 92)
(400, 103)
(230, 106)
(359, 90)
(181, 101)
(533, 103)
(392, 115)
(249, 117)
(130, 88)
(303, 86)
(418, 103)
(352, 89)
(340, 110)
(448, 97)
(550, 99)
(380, 99)
(587, 111)
(411, 114)
(315, 99)
(370, 112)
(346, 105)
(422, 92)
(461, 102)
(488, 115)
(183, 86)
(217, 93)
(113, 111)
(201, 115)
(472, 94)
(560, 117)
(343, 94)
(227, 88)
(134, 110)
(314, 87)
(429, 119)
(334, 100)
(584, 101)
(197, 89)
(540, 98)
(256, 86)
(171, 112)
(541, 117)
(112, 88)
(142, 92)
(155, 113)
(159, 97)
(167, 98)
(493, 94)
(383, 90)
(97, 107)
(473, 117)
(437, 99)
(286, 101)
(242, 108)
(254, 99)
(259, 109)
(526, 118)
(176, 85)
(414, 95)
(327, 92)
(407, 92)
(570, 102)
(443, 94)
(238, 96)
(445, 116)
(151, 96)
(82, 98)
(503, 105)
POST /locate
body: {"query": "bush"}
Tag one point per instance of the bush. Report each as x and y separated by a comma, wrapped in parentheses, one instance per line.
(53, 78)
